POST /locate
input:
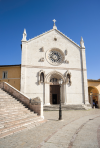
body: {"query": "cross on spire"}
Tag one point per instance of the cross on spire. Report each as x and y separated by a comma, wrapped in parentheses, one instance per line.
(54, 21)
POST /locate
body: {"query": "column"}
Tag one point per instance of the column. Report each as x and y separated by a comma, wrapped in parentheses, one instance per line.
(47, 94)
(99, 100)
(43, 93)
(91, 96)
(65, 95)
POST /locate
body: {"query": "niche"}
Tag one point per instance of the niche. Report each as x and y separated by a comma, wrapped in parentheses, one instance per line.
(42, 77)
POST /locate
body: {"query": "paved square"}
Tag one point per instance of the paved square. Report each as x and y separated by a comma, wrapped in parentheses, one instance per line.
(79, 129)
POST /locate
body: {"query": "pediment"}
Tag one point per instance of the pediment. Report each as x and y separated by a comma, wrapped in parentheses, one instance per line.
(58, 32)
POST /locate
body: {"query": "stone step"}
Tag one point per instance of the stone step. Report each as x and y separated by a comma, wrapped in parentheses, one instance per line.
(18, 130)
(10, 104)
(14, 111)
(64, 107)
(19, 119)
(14, 118)
(2, 109)
(12, 108)
(22, 124)
(2, 91)
(5, 96)
(7, 99)
(7, 114)
(12, 132)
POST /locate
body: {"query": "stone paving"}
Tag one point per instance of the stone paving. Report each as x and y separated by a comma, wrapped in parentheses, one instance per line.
(79, 129)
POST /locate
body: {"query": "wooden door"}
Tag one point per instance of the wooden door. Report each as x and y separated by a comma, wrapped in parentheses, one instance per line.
(54, 94)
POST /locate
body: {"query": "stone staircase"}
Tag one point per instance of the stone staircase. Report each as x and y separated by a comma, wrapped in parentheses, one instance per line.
(14, 116)
(64, 107)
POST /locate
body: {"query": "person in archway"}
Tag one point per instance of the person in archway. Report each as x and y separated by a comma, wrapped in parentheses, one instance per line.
(96, 104)
(93, 103)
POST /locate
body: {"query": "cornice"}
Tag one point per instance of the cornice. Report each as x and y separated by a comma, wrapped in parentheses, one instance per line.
(57, 68)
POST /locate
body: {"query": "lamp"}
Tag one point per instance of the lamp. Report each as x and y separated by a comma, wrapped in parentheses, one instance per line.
(91, 93)
(60, 109)
(60, 81)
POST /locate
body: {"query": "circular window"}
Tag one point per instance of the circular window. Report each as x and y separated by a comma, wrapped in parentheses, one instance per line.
(55, 56)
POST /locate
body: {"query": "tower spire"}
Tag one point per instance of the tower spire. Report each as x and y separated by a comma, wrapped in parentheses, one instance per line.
(82, 43)
(24, 35)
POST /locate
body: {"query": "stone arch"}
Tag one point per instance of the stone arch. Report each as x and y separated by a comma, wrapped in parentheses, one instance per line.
(54, 74)
(91, 88)
(95, 93)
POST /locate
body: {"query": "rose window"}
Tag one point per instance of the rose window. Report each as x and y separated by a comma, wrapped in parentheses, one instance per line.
(55, 57)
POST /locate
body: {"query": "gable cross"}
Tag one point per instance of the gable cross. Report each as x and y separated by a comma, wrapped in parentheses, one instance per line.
(54, 21)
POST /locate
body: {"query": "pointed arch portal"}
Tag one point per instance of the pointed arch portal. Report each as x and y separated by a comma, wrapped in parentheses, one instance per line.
(53, 86)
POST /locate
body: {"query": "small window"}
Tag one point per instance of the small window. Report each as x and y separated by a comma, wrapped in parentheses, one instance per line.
(55, 39)
(4, 76)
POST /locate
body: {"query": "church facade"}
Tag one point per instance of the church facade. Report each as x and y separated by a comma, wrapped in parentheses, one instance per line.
(51, 57)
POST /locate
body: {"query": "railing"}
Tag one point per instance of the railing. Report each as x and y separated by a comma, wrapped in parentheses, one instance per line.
(34, 105)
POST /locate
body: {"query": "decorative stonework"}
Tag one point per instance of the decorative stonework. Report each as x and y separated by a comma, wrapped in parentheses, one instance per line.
(67, 62)
(55, 56)
(41, 77)
(66, 52)
(35, 101)
(42, 60)
(42, 49)
(68, 78)
(54, 75)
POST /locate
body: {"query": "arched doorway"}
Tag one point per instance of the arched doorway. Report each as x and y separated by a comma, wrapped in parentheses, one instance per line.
(93, 95)
(54, 91)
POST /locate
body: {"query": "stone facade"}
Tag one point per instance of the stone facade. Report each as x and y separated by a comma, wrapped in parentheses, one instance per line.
(50, 57)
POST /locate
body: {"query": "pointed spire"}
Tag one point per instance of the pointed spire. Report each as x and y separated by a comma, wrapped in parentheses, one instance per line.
(82, 43)
(54, 26)
(24, 35)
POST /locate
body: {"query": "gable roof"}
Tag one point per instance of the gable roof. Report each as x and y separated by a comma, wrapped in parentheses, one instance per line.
(92, 80)
(10, 65)
(51, 31)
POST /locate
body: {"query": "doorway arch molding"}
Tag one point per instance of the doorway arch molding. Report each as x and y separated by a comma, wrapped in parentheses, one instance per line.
(54, 74)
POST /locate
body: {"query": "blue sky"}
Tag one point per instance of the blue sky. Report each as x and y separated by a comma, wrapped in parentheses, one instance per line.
(75, 18)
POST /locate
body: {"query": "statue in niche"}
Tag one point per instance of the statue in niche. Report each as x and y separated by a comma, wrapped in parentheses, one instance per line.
(42, 77)
(69, 78)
